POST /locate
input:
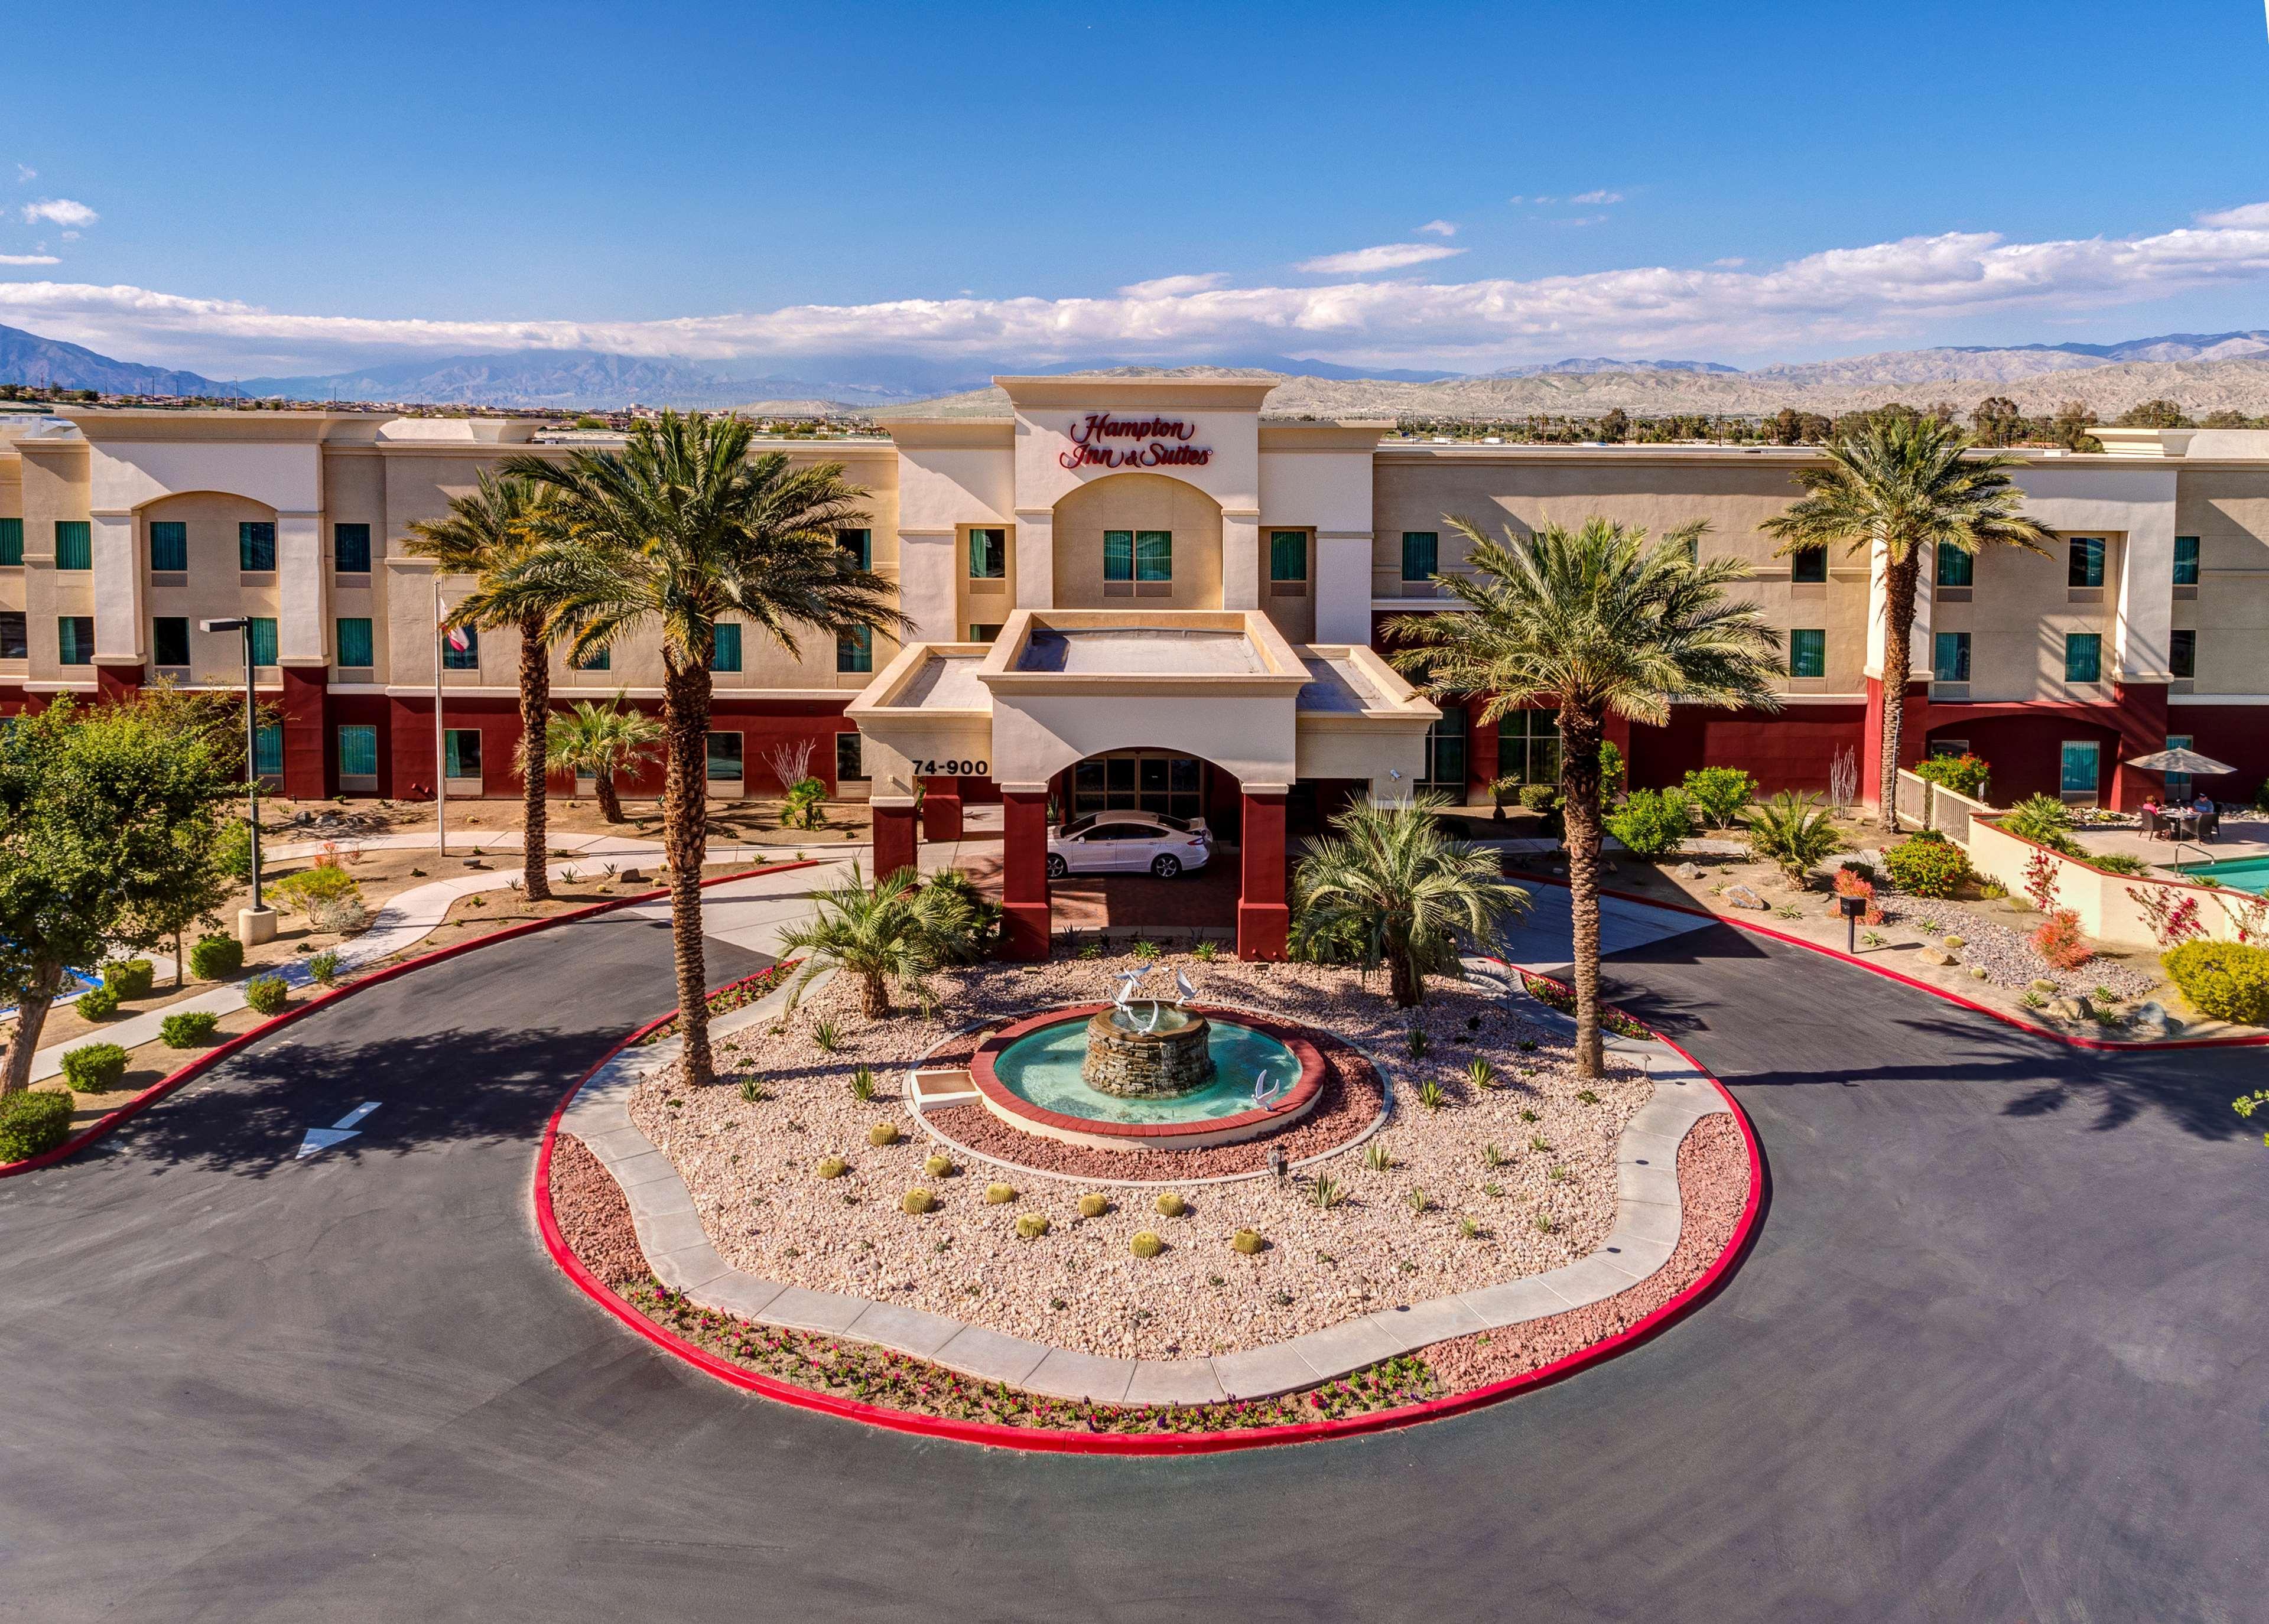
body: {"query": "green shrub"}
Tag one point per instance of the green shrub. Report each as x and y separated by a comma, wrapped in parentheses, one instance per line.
(1652, 822)
(2044, 821)
(2117, 862)
(1794, 831)
(216, 957)
(2227, 980)
(130, 978)
(1538, 797)
(191, 1028)
(94, 1069)
(32, 1121)
(1964, 774)
(324, 967)
(234, 851)
(1720, 794)
(1926, 865)
(1613, 773)
(266, 995)
(323, 884)
(98, 1003)
(1860, 866)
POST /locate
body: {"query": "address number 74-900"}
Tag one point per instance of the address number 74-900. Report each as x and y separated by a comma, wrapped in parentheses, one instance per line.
(957, 769)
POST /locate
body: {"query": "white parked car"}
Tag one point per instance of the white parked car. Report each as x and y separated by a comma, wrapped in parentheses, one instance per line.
(1128, 843)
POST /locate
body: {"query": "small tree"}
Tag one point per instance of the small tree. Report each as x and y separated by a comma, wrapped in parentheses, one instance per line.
(895, 931)
(602, 740)
(1720, 794)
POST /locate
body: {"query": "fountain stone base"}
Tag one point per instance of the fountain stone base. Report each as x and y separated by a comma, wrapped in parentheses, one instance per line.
(1135, 1064)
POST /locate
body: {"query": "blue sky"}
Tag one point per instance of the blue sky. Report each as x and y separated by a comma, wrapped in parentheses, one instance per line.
(246, 189)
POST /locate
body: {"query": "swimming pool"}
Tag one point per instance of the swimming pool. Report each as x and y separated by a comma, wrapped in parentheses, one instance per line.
(2240, 873)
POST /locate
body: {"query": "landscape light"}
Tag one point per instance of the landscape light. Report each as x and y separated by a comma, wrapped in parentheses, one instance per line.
(1852, 908)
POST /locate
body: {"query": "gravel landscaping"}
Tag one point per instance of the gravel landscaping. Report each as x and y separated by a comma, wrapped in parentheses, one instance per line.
(1497, 1183)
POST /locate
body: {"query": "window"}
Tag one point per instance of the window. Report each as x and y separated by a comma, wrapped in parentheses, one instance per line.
(263, 640)
(724, 755)
(169, 640)
(75, 640)
(1419, 550)
(268, 752)
(1949, 750)
(2083, 656)
(1138, 555)
(357, 752)
(74, 545)
(857, 546)
(2087, 561)
(15, 642)
(350, 549)
(2187, 560)
(460, 649)
(725, 651)
(169, 546)
(1139, 780)
(988, 555)
(1445, 753)
(461, 753)
(1810, 566)
(984, 631)
(854, 651)
(12, 541)
(1956, 567)
(1118, 554)
(597, 660)
(1949, 656)
(1529, 746)
(1288, 555)
(2182, 655)
(2080, 762)
(355, 646)
(1807, 654)
(256, 546)
(850, 762)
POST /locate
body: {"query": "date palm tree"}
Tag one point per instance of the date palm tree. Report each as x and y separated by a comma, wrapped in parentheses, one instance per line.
(1907, 484)
(1390, 886)
(1594, 620)
(680, 529)
(601, 741)
(487, 530)
(897, 930)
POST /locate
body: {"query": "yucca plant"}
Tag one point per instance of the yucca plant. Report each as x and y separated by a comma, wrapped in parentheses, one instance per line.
(894, 932)
(602, 741)
(1794, 833)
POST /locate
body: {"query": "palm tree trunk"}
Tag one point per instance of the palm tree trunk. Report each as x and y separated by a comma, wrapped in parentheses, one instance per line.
(874, 998)
(535, 720)
(1580, 735)
(1899, 581)
(38, 996)
(610, 804)
(685, 840)
(1402, 985)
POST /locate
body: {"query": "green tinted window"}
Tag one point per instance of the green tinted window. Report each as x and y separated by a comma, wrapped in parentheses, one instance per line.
(1154, 555)
(1419, 550)
(2187, 560)
(2083, 656)
(12, 541)
(1288, 555)
(357, 752)
(268, 750)
(1809, 565)
(355, 647)
(2086, 568)
(169, 545)
(350, 549)
(724, 653)
(263, 640)
(854, 651)
(74, 545)
(1956, 567)
(1807, 654)
(256, 546)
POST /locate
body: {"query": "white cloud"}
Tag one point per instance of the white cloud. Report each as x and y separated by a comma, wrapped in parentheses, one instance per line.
(25, 174)
(1516, 200)
(1367, 262)
(1174, 287)
(1597, 197)
(29, 259)
(61, 211)
(2246, 217)
(1734, 263)
(1839, 296)
(1581, 219)
(1441, 228)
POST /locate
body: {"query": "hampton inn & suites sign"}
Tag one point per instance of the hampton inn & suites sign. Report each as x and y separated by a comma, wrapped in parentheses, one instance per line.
(1101, 441)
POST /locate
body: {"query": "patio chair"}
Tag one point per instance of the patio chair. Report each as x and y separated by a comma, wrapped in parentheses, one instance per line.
(2154, 827)
(2209, 824)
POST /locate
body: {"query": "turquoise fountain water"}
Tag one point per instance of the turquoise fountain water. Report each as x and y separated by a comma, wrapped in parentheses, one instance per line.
(1044, 1067)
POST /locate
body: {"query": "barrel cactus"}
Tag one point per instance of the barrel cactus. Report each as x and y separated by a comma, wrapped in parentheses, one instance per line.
(1000, 1195)
(917, 1202)
(1032, 1226)
(938, 1166)
(832, 1167)
(883, 1133)
(1170, 1205)
(1093, 1206)
(1145, 1245)
(1247, 1241)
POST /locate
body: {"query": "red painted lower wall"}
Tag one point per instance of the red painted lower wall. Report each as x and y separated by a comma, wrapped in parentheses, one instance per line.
(1788, 750)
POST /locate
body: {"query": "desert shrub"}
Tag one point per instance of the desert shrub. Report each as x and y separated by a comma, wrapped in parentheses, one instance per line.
(98, 1003)
(1612, 772)
(215, 958)
(1964, 774)
(31, 1121)
(939, 1167)
(1794, 831)
(266, 995)
(2044, 821)
(2058, 940)
(2261, 797)
(1850, 884)
(130, 978)
(232, 852)
(341, 916)
(970, 933)
(324, 882)
(324, 967)
(94, 1069)
(189, 1030)
(1652, 822)
(1720, 794)
(2117, 862)
(1860, 866)
(1538, 797)
(1926, 865)
(2227, 980)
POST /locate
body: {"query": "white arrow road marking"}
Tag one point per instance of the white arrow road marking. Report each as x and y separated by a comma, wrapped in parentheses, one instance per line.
(323, 1139)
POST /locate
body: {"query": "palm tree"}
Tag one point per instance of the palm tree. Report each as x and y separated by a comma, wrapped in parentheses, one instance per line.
(1792, 832)
(896, 930)
(1391, 886)
(680, 529)
(488, 530)
(1591, 620)
(602, 740)
(1905, 484)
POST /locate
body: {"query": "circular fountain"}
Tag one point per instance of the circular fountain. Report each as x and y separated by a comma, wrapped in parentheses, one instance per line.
(1136, 1056)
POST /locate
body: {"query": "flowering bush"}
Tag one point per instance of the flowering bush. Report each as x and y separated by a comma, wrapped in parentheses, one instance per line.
(1964, 774)
(1927, 865)
(2173, 919)
(2041, 876)
(2058, 940)
(1849, 883)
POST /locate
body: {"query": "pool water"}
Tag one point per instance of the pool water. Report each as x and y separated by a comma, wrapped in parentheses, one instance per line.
(2240, 873)
(1043, 1068)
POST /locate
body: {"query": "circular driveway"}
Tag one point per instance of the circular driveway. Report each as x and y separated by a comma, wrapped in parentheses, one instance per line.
(1995, 1357)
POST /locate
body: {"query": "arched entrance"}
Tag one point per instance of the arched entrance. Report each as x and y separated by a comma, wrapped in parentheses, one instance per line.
(1137, 537)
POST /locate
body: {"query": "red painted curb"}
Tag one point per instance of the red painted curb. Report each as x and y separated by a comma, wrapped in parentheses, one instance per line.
(2002, 1016)
(158, 1090)
(1059, 1441)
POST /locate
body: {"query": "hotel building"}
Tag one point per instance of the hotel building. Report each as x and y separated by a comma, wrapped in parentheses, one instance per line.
(1131, 592)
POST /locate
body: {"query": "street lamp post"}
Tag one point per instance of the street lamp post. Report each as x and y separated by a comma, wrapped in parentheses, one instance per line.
(257, 924)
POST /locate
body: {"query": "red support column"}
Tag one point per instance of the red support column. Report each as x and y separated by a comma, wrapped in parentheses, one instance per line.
(306, 693)
(941, 808)
(896, 839)
(1914, 724)
(115, 681)
(2143, 721)
(1263, 921)
(1024, 929)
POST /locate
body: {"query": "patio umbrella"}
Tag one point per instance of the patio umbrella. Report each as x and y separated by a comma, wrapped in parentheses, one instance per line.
(2180, 761)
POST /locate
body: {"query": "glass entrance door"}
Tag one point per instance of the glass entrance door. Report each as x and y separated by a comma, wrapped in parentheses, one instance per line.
(1139, 780)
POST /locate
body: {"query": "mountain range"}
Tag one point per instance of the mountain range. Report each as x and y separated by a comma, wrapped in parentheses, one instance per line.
(2203, 372)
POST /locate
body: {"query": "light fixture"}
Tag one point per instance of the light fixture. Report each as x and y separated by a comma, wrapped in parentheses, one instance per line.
(1852, 907)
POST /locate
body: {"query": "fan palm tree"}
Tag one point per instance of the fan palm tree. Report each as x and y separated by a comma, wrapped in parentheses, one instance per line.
(1389, 884)
(601, 741)
(1792, 832)
(1905, 484)
(1593, 621)
(487, 530)
(680, 529)
(897, 930)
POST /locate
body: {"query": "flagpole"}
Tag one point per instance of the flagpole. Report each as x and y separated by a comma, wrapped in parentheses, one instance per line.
(440, 753)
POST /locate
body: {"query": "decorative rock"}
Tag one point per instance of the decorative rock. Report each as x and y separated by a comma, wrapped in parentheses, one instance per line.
(2069, 1008)
(632, 877)
(2151, 1020)
(2042, 985)
(1742, 896)
(1688, 871)
(1937, 955)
